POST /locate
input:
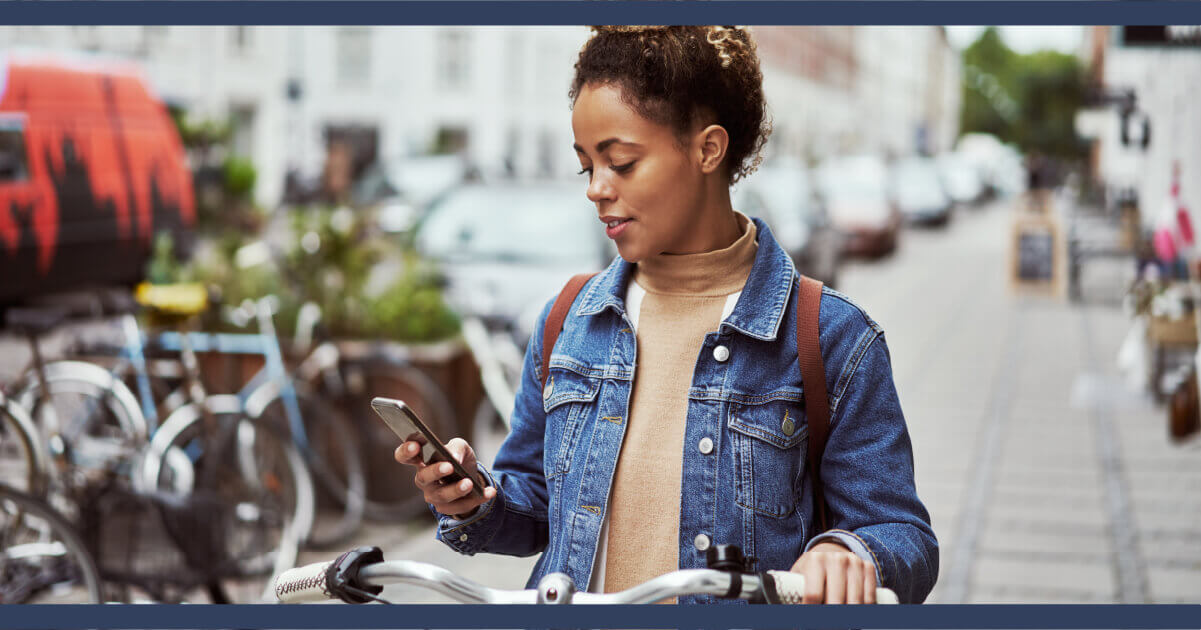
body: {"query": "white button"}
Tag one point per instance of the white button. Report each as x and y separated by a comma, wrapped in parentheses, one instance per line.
(550, 387)
(701, 542)
(463, 538)
(721, 353)
(706, 446)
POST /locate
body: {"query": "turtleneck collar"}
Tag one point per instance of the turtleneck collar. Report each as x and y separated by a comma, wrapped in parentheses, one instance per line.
(719, 272)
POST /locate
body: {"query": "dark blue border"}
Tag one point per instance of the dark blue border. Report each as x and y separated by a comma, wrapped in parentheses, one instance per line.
(539, 12)
(696, 616)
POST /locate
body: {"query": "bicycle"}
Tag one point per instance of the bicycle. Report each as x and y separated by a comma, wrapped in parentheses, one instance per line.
(359, 575)
(323, 436)
(42, 558)
(347, 375)
(212, 450)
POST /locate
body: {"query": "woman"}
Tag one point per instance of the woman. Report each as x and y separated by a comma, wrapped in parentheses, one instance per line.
(673, 418)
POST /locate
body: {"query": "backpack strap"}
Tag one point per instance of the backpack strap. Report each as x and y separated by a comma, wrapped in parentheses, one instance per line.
(558, 313)
(813, 375)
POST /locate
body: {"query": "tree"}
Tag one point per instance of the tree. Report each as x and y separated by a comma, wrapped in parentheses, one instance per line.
(1030, 100)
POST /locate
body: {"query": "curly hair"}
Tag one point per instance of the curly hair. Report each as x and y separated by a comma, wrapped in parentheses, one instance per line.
(678, 75)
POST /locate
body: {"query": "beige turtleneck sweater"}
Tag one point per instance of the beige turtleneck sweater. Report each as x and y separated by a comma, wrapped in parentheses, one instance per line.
(673, 302)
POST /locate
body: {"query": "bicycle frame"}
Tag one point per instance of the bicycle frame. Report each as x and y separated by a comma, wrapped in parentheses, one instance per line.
(272, 381)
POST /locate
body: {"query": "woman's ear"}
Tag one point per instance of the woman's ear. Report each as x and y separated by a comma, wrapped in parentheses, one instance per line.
(712, 142)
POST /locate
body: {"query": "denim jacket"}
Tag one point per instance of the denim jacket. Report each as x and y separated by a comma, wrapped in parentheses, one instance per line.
(747, 484)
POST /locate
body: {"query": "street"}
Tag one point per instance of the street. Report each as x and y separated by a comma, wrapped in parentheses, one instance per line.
(1047, 480)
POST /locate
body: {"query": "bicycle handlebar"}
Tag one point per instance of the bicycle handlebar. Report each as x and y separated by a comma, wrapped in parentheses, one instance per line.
(339, 580)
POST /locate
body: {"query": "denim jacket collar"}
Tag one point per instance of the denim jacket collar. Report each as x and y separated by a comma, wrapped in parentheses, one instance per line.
(760, 308)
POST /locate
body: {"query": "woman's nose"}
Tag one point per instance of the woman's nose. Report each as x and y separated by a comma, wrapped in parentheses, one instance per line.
(599, 188)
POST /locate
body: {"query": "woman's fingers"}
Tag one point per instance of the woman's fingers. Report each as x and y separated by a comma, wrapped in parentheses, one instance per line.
(836, 578)
(466, 504)
(855, 582)
(835, 575)
(448, 493)
(815, 582)
(432, 474)
(462, 452)
(409, 454)
(869, 583)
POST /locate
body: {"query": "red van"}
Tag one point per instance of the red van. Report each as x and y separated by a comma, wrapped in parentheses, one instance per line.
(91, 168)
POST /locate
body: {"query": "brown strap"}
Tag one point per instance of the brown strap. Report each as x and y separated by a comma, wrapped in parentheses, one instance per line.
(558, 313)
(813, 375)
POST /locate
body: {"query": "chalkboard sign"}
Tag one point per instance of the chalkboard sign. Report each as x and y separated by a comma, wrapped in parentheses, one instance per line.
(1036, 256)
(1036, 253)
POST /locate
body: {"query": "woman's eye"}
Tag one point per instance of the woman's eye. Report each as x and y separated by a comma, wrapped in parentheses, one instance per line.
(622, 168)
(587, 169)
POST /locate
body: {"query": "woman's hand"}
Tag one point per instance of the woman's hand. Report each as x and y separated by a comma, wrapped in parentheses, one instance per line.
(835, 575)
(451, 499)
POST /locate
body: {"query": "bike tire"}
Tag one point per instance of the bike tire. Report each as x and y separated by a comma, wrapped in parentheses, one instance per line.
(91, 380)
(33, 567)
(253, 468)
(333, 451)
(24, 462)
(391, 494)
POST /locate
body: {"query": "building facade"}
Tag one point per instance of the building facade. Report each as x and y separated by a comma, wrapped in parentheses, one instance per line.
(499, 94)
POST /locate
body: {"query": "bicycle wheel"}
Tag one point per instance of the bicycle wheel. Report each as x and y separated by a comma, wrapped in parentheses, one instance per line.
(391, 495)
(81, 379)
(89, 419)
(23, 461)
(257, 474)
(331, 448)
(42, 559)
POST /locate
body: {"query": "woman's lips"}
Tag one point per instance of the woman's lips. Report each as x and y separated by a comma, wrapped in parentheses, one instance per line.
(614, 230)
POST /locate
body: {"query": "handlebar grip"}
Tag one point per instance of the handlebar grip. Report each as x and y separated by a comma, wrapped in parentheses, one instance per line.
(790, 587)
(304, 584)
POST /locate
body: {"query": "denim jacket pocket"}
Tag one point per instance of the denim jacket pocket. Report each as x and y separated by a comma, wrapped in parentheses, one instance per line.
(567, 399)
(770, 441)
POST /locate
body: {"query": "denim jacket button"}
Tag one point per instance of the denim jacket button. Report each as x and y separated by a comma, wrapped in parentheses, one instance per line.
(550, 387)
(463, 538)
(701, 542)
(705, 446)
(721, 353)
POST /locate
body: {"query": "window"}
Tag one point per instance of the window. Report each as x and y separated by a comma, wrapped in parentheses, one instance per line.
(242, 119)
(452, 60)
(353, 55)
(240, 38)
(152, 37)
(13, 164)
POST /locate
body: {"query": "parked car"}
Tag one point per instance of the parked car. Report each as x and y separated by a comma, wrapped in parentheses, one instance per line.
(855, 190)
(918, 191)
(91, 169)
(505, 248)
(402, 189)
(782, 194)
(960, 179)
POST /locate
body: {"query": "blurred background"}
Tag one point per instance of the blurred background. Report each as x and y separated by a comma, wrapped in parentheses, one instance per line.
(218, 243)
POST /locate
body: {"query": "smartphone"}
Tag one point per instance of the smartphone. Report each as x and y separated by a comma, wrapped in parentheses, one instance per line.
(408, 427)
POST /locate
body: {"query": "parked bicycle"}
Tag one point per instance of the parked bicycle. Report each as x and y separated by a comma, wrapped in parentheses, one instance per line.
(214, 470)
(42, 558)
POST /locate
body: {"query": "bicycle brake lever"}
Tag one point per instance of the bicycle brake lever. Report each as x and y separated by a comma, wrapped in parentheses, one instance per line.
(342, 577)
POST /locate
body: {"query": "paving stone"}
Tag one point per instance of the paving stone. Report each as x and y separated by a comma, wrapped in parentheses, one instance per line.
(1024, 595)
(1092, 578)
(1175, 585)
(1061, 541)
(1068, 511)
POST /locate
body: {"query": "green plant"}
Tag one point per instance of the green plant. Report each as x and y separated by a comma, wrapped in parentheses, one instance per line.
(240, 176)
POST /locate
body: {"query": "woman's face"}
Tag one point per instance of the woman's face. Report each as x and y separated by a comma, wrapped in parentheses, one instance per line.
(647, 190)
